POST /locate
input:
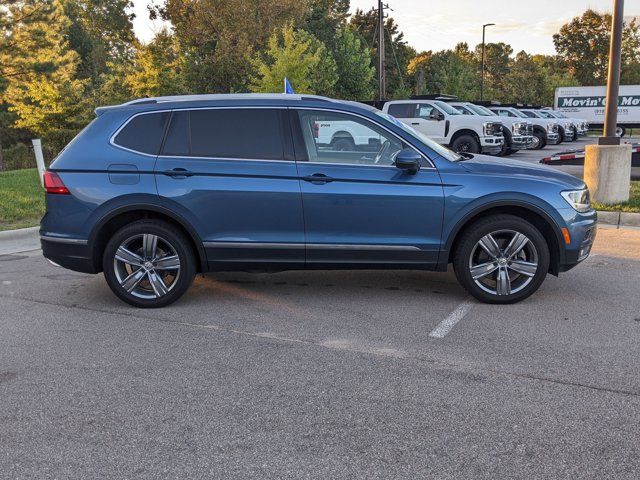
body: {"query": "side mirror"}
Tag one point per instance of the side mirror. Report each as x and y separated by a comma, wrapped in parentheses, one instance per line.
(408, 160)
(436, 115)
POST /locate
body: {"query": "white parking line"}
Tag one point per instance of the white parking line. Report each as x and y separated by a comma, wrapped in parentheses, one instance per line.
(445, 326)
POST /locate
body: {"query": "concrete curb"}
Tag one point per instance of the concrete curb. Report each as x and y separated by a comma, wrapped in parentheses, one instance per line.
(619, 219)
(20, 240)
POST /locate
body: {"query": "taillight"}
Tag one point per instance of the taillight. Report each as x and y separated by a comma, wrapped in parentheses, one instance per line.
(53, 184)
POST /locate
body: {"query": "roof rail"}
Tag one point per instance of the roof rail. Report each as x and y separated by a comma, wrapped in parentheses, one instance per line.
(436, 96)
(487, 103)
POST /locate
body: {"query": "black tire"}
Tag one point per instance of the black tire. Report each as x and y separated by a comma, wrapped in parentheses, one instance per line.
(541, 138)
(467, 248)
(343, 144)
(559, 140)
(170, 240)
(575, 135)
(510, 151)
(465, 144)
(563, 136)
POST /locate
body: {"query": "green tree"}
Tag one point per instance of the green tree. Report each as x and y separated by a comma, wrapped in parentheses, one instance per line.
(39, 70)
(525, 82)
(555, 74)
(300, 57)
(583, 44)
(398, 53)
(101, 32)
(450, 72)
(157, 68)
(219, 37)
(497, 60)
(355, 72)
(325, 18)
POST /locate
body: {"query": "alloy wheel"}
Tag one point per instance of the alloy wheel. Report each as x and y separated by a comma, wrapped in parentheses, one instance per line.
(147, 266)
(503, 262)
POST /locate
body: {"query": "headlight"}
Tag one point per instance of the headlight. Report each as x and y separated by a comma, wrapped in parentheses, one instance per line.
(550, 127)
(492, 128)
(580, 200)
(517, 128)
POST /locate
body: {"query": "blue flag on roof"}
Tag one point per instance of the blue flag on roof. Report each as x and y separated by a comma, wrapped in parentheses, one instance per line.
(287, 86)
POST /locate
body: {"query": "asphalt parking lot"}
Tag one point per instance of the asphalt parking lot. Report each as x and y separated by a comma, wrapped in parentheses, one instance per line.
(534, 156)
(322, 375)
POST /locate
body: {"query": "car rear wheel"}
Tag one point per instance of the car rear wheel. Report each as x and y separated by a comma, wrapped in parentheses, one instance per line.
(501, 259)
(149, 263)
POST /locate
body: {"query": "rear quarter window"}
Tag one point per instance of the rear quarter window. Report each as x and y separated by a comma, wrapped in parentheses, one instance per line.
(402, 110)
(143, 133)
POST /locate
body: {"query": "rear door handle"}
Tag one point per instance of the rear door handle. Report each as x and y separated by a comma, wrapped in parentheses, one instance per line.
(178, 173)
(318, 178)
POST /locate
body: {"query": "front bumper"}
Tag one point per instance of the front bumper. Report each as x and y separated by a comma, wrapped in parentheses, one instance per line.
(491, 145)
(521, 142)
(553, 137)
(582, 228)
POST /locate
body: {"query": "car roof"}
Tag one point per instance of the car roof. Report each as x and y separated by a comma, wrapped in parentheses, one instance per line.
(233, 99)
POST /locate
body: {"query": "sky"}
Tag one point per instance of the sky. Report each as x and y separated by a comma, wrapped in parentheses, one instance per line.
(441, 24)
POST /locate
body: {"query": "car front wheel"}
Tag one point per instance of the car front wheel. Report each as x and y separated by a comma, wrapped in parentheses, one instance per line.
(149, 263)
(465, 144)
(501, 259)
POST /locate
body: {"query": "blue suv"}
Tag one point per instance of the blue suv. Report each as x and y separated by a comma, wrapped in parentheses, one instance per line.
(156, 190)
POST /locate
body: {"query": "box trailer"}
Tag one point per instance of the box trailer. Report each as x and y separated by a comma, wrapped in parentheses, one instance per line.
(589, 103)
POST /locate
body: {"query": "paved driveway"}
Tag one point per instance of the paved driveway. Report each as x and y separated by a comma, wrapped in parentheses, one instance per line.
(534, 156)
(322, 375)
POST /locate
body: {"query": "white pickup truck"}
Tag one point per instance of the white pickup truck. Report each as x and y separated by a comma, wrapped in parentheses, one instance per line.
(448, 126)
(518, 134)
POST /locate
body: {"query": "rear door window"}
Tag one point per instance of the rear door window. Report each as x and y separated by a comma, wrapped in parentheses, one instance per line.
(226, 133)
(402, 110)
(143, 133)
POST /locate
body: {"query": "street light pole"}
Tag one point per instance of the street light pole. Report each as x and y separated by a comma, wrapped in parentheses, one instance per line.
(482, 74)
(613, 80)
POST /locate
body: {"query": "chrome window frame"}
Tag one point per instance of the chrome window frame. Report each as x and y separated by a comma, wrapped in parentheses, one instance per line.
(431, 165)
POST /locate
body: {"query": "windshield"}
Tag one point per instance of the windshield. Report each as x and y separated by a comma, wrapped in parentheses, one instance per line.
(559, 115)
(439, 149)
(447, 108)
(545, 114)
(517, 113)
(530, 114)
(480, 110)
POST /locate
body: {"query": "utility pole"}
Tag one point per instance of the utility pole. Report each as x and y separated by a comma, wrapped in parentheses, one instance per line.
(607, 165)
(613, 79)
(482, 73)
(381, 79)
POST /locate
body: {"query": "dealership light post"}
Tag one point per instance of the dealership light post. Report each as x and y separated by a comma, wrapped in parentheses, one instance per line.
(607, 166)
(482, 74)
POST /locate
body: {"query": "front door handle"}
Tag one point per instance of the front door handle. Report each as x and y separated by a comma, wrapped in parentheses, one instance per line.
(318, 178)
(415, 123)
(178, 173)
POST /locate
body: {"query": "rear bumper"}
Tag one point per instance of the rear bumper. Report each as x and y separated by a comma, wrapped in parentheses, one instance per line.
(71, 253)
